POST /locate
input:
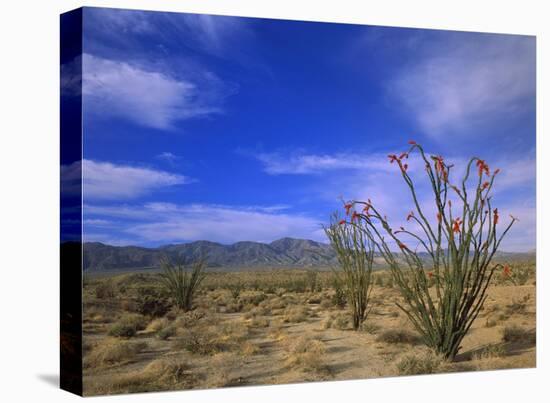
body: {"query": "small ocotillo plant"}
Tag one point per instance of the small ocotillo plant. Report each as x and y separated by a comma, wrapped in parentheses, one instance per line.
(182, 282)
(460, 242)
(355, 254)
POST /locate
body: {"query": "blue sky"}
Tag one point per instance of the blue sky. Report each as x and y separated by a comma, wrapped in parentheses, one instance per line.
(231, 129)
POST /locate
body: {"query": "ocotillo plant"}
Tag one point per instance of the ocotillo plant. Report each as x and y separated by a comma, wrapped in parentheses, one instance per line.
(460, 242)
(355, 254)
(182, 282)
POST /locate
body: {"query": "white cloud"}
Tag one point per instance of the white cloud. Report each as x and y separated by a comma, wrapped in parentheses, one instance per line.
(296, 163)
(168, 157)
(466, 84)
(146, 97)
(167, 222)
(105, 180)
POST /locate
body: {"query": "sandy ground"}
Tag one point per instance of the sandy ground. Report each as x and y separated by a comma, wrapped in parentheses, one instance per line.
(344, 354)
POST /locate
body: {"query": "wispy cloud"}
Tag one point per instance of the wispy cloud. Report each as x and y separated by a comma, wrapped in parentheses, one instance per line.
(297, 163)
(107, 181)
(466, 83)
(168, 157)
(145, 96)
(167, 222)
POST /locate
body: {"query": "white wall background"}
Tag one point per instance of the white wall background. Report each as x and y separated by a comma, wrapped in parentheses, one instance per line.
(29, 155)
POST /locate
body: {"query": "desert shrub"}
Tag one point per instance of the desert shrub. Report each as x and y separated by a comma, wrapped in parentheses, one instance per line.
(492, 351)
(182, 283)
(355, 254)
(515, 334)
(168, 371)
(259, 322)
(370, 328)
(252, 298)
(105, 289)
(257, 311)
(157, 324)
(517, 306)
(160, 374)
(307, 353)
(295, 314)
(189, 319)
(113, 351)
(235, 288)
(419, 364)
(339, 296)
(152, 305)
(198, 341)
(167, 332)
(326, 303)
(311, 280)
(460, 241)
(394, 336)
(341, 322)
(248, 349)
(224, 367)
(128, 325)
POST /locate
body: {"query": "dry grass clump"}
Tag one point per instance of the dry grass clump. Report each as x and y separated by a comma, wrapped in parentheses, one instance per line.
(252, 298)
(489, 352)
(112, 351)
(248, 349)
(224, 367)
(417, 364)
(105, 290)
(189, 319)
(340, 321)
(394, 336)
(257, 311)
(518, 307)
(128, 325)
(306, 353)
(157, 324)
(516, 334)
(203, 341)
(258, 322)
(160, 374)
(211, 339)
(295, 314)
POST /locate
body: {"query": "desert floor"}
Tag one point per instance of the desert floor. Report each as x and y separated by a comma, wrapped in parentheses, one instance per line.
(252, 336)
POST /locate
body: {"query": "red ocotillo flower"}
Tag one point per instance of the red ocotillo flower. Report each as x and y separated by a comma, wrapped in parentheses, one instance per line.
(341, 222)
(402, 246)
(482, 167)
(354, 216)
(506, 271)
(412, 142)
(393, 158)
(496, 171)
(366, 208)
(485, 185)
(405, 167)
(456, 225)
(495, 216)
(439, 165)
(439, 217)
(411, 215)
(403, 155)
(445, 175)
(430, 274)
(348, 207)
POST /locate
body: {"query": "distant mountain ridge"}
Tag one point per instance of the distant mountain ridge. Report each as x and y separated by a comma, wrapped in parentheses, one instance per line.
(285, 252)
(282, 253)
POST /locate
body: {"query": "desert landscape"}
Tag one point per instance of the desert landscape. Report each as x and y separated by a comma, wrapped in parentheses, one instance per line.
(281, 326)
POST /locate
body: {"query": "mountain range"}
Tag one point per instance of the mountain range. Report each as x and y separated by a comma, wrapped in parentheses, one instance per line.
(285, 252)
(282, 253)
